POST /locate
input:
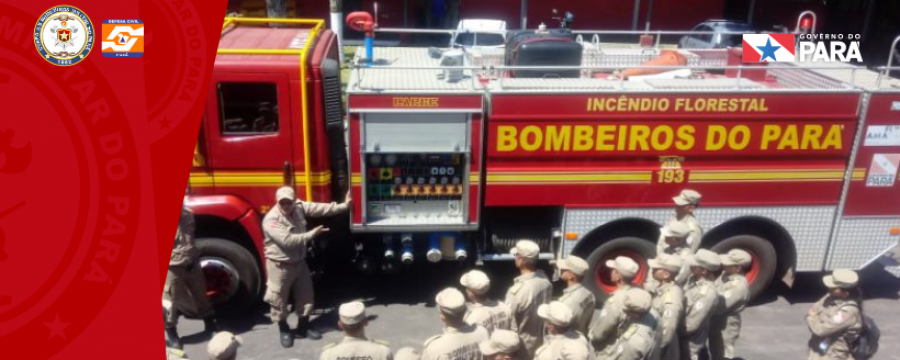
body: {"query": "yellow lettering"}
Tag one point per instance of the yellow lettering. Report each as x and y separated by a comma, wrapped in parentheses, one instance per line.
(620, 145)
(662, 137)
(622, 104)
(790, 140)
(717, 135)
(754, 106)
(744, 132)
(506, 138)
(584, 138)
(732, 105)
(679, 104)
(604, 134)
(811, 135)
(638, 136)
(527, 143)
(558, 138)
(663, 104)
(770, 134)
(833, 139)
(685, 135)
(762, 105)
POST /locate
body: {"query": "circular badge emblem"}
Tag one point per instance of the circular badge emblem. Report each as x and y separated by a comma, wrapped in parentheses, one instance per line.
(64, 35)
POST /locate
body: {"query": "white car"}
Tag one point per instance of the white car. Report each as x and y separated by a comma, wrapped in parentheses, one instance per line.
(719, 34)
(479, 33)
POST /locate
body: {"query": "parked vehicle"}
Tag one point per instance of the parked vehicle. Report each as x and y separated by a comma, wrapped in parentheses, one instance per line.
(717, 34)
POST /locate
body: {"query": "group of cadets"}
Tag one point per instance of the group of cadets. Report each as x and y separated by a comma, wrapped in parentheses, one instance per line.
(692, 302)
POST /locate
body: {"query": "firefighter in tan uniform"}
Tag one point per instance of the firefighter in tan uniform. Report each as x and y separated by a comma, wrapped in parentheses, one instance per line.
(637, 341)
(685, 204)
(223, 346)
(835, 321)
(668, 302)
(459, 340)
(604, 331)
(676, 235)
(563, 342)
(580, 300)
(352, 321)
(185, 286)
(503, 345)
(734, 292)
(490, 314)
(529, 290)
(286, 239)
(700, 300)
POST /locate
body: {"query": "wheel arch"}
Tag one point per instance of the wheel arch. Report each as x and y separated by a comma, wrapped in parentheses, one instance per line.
(634, 226)
(763, 227)
(211, 226)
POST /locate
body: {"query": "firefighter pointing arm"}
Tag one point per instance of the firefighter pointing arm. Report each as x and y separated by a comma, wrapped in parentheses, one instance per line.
(286, 238)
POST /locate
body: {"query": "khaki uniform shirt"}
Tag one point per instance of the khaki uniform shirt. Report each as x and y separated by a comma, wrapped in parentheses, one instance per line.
(582, 303)
(527, 293)
(351, 348)
(567, 346)
(491, 315)
(700, 300)
(286, 235)
(668, 302)
(184, 252)
(834, 324)
(636, 342)
(693, 239)
(734, 292)
(604, 332)
(455, 344)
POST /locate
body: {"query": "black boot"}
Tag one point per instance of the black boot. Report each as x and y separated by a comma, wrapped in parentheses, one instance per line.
(172, 339)
(304, 332)
(287, 339)
(209, 325)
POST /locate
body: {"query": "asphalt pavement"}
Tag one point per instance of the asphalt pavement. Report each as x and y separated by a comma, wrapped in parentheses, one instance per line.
(402, 312)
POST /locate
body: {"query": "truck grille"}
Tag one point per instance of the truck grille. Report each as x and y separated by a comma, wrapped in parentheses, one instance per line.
(333, 113)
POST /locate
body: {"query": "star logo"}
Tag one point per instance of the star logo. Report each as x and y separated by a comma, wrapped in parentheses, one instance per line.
(57, 328)
(768, 51)
(164, 123)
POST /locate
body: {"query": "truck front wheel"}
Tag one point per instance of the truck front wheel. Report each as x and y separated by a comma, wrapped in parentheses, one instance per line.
(763, 260)
(598, 277)
(233, 279)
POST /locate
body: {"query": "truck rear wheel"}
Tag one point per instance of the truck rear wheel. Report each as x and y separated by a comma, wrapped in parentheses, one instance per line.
(763, 260)
(233, 279)
(598, 277)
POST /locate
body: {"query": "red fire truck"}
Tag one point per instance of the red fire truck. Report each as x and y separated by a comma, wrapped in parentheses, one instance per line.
(455, 155)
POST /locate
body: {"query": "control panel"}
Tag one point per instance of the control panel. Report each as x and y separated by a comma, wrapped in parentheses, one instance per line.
(415, 188)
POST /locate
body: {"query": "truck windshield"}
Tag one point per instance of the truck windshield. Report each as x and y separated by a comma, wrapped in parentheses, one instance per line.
(479, 39)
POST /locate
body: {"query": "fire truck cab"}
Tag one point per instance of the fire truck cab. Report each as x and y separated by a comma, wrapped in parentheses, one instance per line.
(456, 154)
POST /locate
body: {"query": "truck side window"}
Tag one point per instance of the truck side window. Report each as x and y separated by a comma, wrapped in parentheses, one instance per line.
(248, 108)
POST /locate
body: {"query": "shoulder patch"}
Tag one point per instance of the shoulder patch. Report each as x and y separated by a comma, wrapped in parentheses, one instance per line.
(431, 339)
(628, 333)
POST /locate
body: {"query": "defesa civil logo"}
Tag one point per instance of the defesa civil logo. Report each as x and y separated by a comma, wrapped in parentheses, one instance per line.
(64, 35)
(123, 38)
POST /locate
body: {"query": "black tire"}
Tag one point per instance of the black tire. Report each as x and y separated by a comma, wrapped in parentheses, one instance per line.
(637, 248)
(765, 260)
(247, 269)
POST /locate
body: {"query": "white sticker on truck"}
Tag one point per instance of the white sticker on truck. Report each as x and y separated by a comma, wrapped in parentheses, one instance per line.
(883, 170)
(883, 135)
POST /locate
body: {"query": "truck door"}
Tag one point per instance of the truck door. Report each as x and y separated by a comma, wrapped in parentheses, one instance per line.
(249, 134)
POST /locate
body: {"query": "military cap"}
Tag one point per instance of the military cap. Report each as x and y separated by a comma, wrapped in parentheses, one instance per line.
(687, 197)
(706, 259)
(285, 192)
(477, 281)
(574, 264)
(626, 267)
(407, 353)
(637, 300)
(223, 346)
(556, 313)
(451, 301)
(735, 257)
(526, 249)
(501, 342)
(841, 279)
(352, 313)
(666, 262)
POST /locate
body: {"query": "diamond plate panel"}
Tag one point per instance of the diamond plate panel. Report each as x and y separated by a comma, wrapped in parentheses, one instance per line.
(859, 241)
(810, 226)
